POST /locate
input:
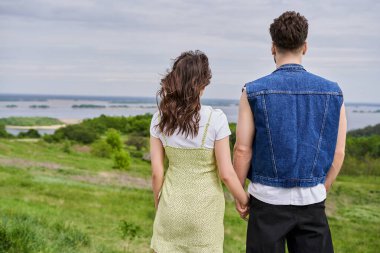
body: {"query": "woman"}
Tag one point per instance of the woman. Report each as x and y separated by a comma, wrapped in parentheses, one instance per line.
(189, 198)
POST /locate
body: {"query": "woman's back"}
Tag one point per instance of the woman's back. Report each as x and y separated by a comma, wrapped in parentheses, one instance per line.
(190, 212)
(189, 197)
(218, 129)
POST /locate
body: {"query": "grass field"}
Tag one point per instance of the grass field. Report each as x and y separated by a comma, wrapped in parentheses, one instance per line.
(52, 201)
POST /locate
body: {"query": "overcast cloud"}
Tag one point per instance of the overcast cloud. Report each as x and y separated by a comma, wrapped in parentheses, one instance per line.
(118, 47)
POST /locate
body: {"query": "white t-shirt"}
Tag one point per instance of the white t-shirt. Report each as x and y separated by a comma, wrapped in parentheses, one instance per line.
(218, 129)
(298, 196)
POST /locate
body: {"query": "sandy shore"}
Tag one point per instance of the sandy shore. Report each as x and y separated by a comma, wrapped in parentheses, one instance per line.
(70, 121)
(65, 121)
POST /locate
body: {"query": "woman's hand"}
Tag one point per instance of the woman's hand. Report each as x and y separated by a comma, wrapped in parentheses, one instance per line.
(157, 200)
(156, 203)
(243, 208)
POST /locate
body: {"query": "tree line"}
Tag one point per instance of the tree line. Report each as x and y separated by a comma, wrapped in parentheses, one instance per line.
(362, 146)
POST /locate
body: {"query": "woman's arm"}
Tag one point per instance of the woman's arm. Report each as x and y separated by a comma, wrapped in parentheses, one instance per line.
(226, 171)
(157, 155)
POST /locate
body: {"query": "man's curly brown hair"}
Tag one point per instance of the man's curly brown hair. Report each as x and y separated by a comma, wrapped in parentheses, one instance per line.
(289, 31)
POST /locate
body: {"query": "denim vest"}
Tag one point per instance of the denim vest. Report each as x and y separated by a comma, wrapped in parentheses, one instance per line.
(296, 116)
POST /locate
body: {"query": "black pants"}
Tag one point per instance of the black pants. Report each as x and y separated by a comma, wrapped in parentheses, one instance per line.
(305, 228)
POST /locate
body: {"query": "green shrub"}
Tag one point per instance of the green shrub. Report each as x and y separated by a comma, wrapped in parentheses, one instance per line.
(3, 131)
(67, 146)
(139, 124)
(113, 139)
(103, 122)
(232, 136)
(139, 142)
(367, 131)
(122, 159)
(362, 156)
(31, 133)
(136, 153)
(129, 230)
(361, 146)
(101, 148)
(77, 132)
(50, 138)
(90, 129)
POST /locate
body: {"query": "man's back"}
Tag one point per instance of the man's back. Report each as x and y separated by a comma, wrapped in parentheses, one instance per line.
(290, 144)
(296, 115)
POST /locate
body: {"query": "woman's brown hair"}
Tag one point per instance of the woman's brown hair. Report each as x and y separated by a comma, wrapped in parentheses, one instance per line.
(180, 93)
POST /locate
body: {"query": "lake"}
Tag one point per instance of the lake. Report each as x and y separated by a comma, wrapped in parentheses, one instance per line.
(74, 108)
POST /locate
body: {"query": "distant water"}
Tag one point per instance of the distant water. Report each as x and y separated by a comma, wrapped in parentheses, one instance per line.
(359, 115)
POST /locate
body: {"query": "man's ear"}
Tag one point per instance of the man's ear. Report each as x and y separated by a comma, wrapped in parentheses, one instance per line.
(304, 49)
(273, 49)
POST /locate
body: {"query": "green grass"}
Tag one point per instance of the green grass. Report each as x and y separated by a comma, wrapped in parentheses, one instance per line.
(53, 153)
(47, 209)
(25, 233)
(354, 214)
(30, 121)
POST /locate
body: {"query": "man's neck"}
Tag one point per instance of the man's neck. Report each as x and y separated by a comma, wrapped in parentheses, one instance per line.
(288, 59)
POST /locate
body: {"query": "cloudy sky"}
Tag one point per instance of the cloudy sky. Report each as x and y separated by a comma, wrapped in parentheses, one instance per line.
(121, 47)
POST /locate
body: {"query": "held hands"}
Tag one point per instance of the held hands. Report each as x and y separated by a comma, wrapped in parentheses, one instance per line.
(243, 208)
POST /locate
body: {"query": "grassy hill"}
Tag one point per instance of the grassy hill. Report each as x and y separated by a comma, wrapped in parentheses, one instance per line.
(30, 121)
(56, 201)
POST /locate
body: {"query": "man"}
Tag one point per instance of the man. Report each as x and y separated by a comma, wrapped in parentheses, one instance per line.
(290, 142)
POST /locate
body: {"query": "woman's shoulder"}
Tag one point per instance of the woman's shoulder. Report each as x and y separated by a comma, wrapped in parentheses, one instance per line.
(218, 117)
(216, 112)
(219, 126)
(155, 116)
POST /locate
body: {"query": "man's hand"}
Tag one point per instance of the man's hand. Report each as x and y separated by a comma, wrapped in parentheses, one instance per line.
(327, 186)
(242, 209)
(339, 154)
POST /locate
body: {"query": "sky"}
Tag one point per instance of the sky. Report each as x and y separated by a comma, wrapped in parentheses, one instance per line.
(123, 48)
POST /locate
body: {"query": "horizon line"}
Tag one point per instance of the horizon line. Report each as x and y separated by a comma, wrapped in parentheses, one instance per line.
(115, 96)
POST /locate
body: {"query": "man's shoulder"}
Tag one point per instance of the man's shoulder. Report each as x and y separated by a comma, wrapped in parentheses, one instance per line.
(258, 83)
(309, 79)
(261, 79)
(323, 82)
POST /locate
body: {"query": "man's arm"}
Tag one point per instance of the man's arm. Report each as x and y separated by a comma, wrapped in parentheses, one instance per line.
(245, 131)
(339, 150)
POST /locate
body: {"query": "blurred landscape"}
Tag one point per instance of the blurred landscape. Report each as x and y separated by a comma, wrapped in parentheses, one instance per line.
(77, 179)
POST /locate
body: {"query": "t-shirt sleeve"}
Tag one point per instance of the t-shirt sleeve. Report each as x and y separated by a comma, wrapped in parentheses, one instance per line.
(244, 88)
(154, 130)
(222, 129)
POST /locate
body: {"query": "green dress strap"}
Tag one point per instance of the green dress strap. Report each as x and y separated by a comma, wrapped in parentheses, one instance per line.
(163, 135)
(205, 130)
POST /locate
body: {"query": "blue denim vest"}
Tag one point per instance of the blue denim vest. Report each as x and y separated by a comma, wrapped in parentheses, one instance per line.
(296, 116)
